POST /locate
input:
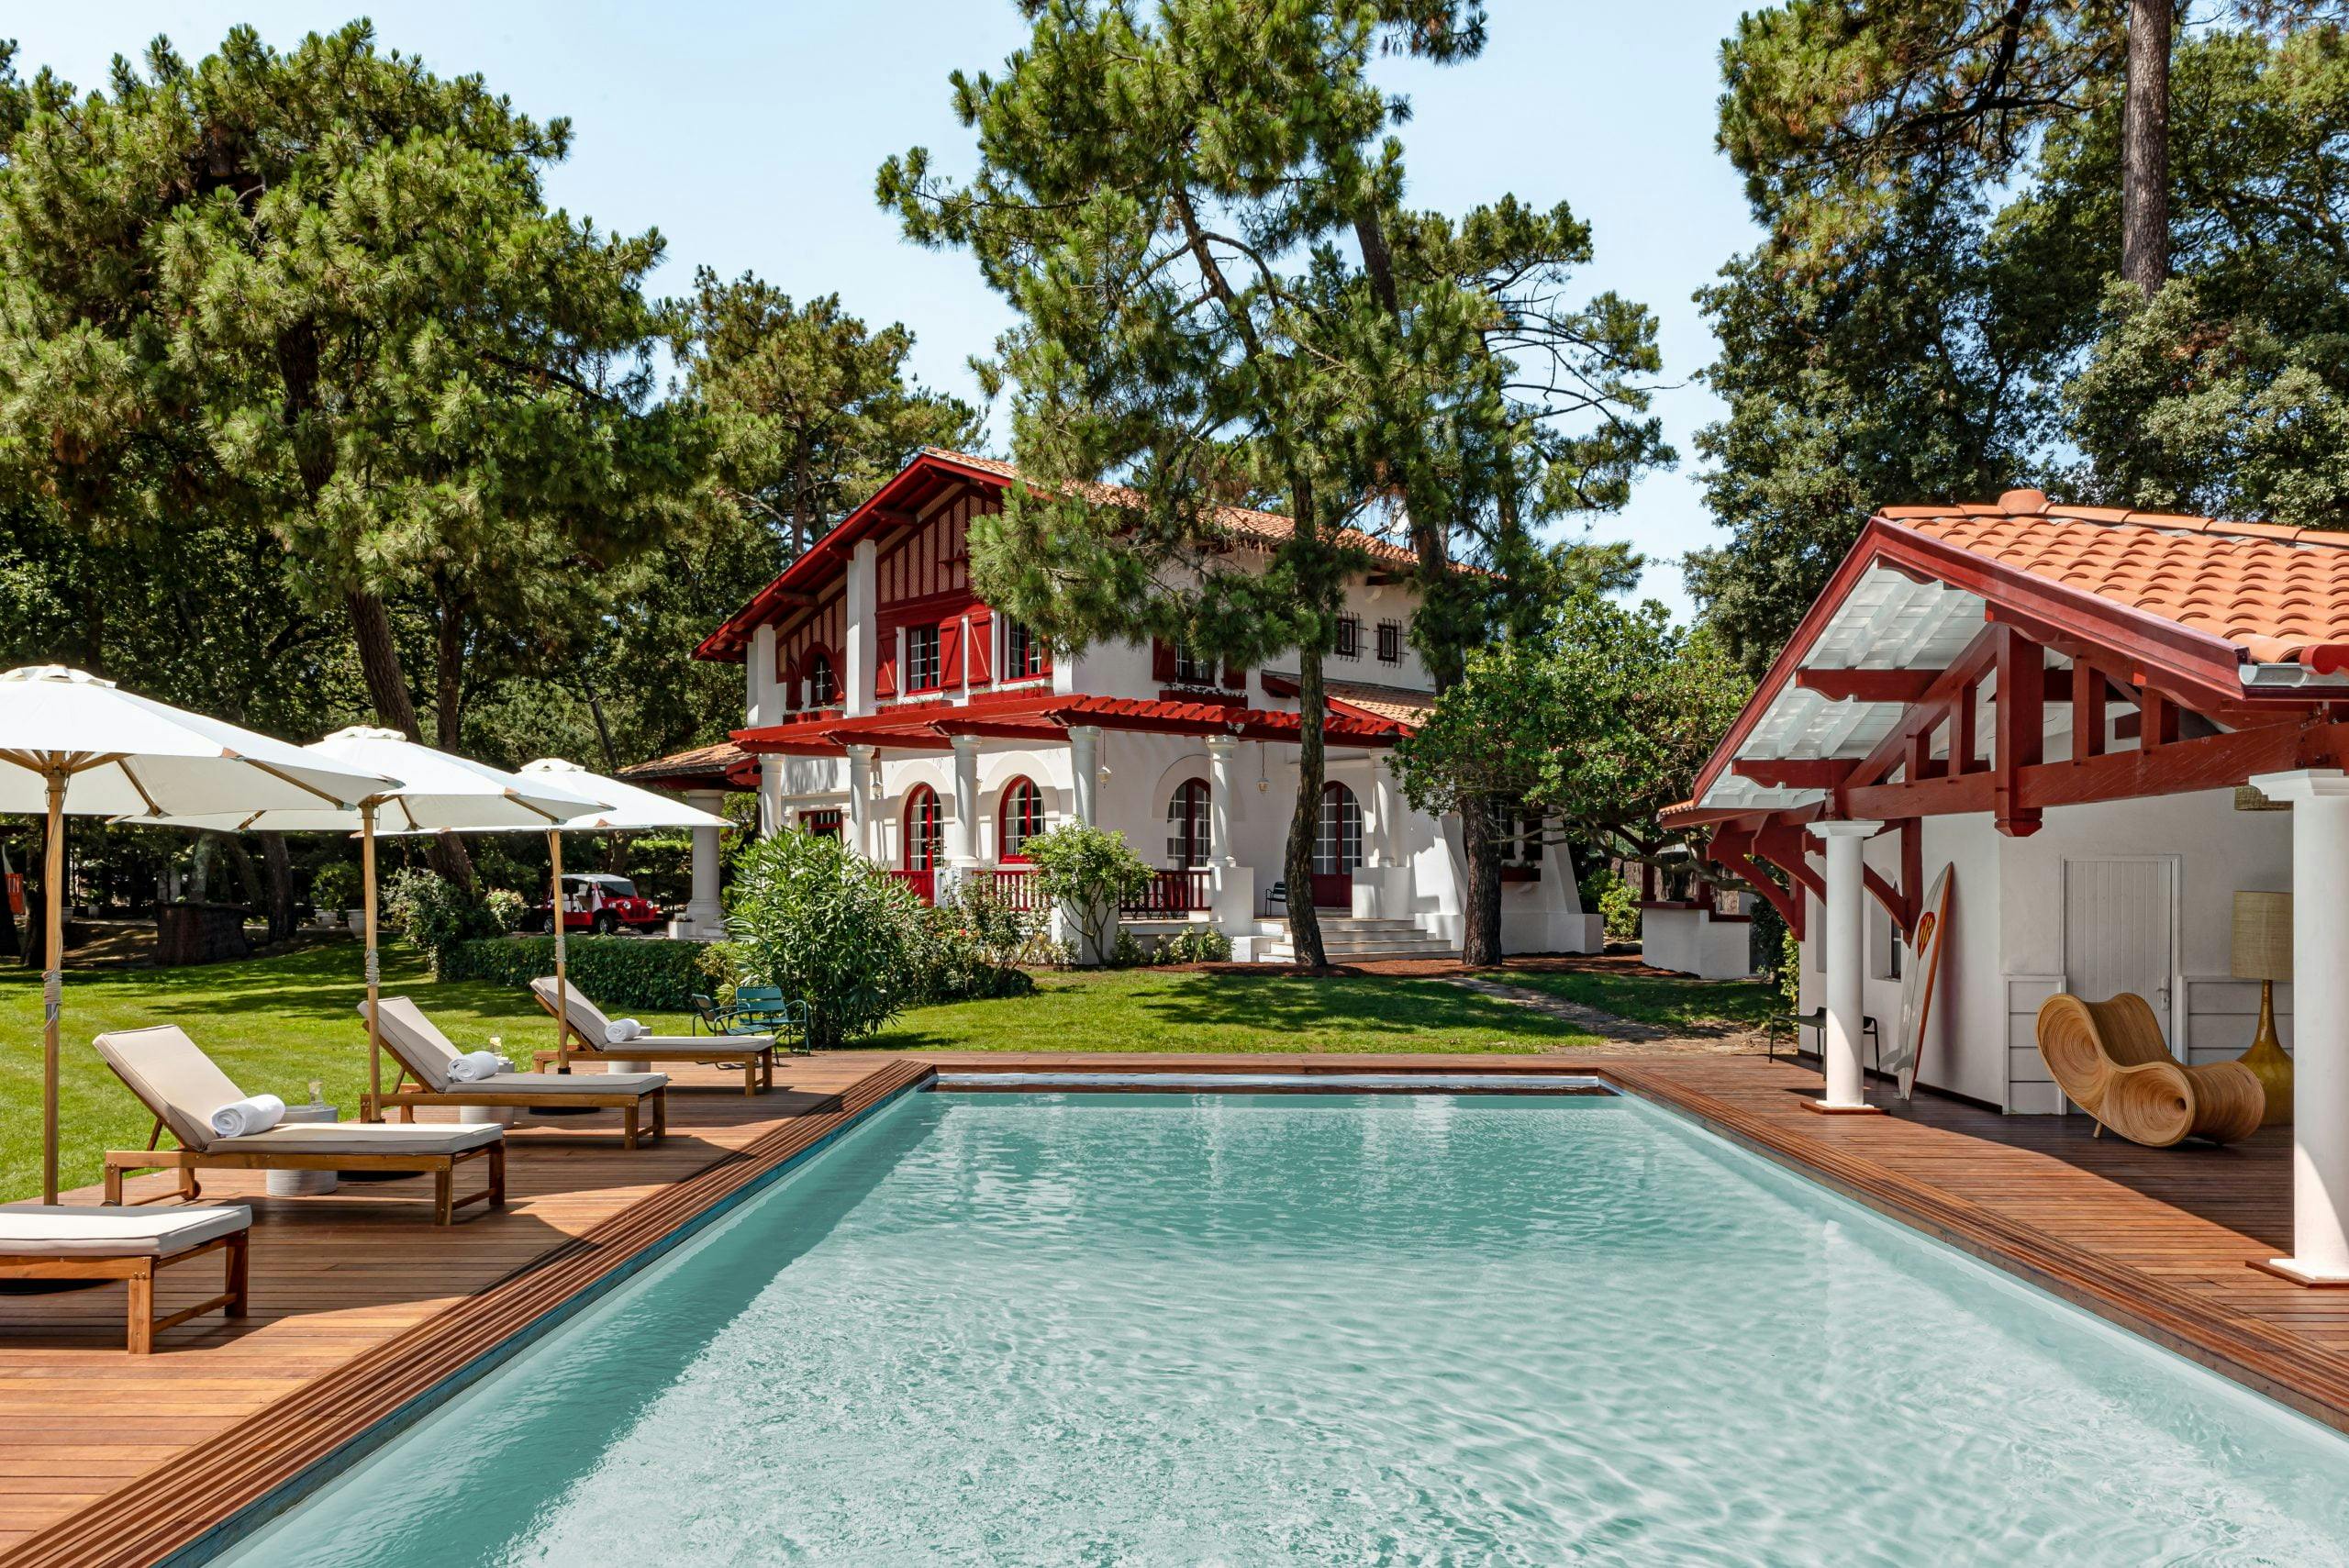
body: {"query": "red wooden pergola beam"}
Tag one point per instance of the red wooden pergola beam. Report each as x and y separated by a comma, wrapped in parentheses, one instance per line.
(2210, 762)
(1928, 711)
(2022, 720)
(1730, 846)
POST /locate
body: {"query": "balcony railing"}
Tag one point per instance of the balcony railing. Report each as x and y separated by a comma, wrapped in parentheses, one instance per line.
(1171, 893)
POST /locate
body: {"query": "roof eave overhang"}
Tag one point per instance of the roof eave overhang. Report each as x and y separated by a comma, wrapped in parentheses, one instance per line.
(2195, 665)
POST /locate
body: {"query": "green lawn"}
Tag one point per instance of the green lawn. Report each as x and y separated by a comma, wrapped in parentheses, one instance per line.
(1144, 1009)
(275, 1024)
(1664, 1000)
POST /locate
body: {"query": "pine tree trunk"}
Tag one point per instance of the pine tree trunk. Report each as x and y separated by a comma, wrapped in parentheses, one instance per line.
(1305, 822)
(2145, 149)
(379, 662)
(280, 868)
(1480, 929)
(449, 678)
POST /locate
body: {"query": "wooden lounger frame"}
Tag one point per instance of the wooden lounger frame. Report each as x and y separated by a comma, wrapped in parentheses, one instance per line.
(629, 1105)
(441, 1168)
(757, 1062)
(138, 1273)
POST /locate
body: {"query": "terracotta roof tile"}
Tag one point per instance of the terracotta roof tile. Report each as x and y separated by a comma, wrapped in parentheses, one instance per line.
(2279, 594)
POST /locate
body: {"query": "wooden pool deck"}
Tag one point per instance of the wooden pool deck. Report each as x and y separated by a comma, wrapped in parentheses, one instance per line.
(360, 1305)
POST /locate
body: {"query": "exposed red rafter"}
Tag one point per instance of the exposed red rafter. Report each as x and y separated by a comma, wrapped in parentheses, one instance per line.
(1783, 845)
(1928, 711)
(1732, 846)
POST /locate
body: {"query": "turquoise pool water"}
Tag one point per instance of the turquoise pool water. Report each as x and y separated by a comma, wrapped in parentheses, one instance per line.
(1060, 1328)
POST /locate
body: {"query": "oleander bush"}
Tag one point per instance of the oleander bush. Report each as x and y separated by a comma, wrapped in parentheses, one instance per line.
(829, 929)
(970, 946)
(612, 972)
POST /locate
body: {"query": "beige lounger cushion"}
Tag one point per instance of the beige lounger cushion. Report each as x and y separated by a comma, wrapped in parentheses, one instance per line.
(63, 1230)
(416, 1040)
(589, 1020)
(555, 1085)
(178, 1082)
(359, 1138)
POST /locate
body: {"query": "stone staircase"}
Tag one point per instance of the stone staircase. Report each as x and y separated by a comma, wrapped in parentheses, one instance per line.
(1345, 939)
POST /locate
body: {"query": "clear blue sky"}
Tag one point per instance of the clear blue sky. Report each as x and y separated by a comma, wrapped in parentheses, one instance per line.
(748, 134)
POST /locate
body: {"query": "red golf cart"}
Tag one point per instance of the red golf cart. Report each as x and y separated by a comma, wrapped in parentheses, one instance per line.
(594, 901)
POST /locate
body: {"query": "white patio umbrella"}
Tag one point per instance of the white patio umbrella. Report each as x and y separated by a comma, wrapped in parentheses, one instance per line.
(626, 810)
(437, 793)
(74, 744)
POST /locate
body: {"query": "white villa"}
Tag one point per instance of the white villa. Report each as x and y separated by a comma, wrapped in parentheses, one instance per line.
(885, 702)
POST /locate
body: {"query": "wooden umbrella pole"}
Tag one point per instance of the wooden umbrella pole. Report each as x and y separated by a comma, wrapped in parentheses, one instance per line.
(52, 980)
(375, 1111)
(562, 980)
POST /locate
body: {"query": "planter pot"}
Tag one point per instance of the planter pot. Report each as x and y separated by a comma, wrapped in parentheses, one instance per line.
(356, 919)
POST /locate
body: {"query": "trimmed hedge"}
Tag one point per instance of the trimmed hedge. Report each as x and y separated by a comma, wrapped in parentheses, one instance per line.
(612, 972)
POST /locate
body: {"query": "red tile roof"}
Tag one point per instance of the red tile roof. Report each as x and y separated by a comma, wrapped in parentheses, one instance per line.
(721, 765)
(927, 724)
(2281, 595)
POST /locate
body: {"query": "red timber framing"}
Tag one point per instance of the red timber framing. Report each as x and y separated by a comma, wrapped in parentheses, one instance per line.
(2152, 706)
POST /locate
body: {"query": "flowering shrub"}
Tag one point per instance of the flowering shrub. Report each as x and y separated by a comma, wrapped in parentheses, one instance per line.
(828, 927)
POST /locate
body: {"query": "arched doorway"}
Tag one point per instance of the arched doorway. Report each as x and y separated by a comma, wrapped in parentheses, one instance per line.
(1020, 819)
(1189, 825)
(925, 842)
(1337, 848)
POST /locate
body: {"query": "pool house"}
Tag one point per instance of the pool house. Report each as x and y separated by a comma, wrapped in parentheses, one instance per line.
(2106, 725)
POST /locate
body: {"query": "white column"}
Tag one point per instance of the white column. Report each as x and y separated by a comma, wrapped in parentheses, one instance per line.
(1845, 965)
(705, 916)
(862, 628)
(965, 852)
(1223, 799)
(771, 813)
(765, 693)
(860, 800)
(1083, 747)
(1385, 809)
(2319, 800)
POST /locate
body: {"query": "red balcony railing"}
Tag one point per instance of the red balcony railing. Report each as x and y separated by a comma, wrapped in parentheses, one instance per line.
(1171, 893)
(923, 882)
(1016, 886)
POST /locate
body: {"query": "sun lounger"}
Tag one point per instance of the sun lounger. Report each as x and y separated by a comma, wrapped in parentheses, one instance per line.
(424, 1053)
(182, 1087)
(585, 1027)
(47, 1241)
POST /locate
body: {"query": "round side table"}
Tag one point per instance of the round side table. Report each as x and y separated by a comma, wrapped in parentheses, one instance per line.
(304, 1184)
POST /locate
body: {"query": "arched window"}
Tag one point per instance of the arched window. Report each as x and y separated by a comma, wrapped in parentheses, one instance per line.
(1189, 825)
(823, 686)
(1021, 819)
(1337, 848)
(924, 829)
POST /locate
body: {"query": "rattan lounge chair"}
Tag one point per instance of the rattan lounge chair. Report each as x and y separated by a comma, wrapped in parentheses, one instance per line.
(2111, 1059)
(426, 1054)
(182, 1087)
(61, 1241)
(586, 1028)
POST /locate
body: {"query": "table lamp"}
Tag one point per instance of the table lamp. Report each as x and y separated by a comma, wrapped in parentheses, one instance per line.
(2263, 951)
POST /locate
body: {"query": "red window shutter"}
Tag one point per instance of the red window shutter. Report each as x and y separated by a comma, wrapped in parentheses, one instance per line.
(978, 654)
(884, 663)
(1162, 659)
(950, 652)
(1235, 677)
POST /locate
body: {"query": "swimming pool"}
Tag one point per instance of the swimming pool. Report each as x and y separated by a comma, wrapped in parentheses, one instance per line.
(1052, 1327)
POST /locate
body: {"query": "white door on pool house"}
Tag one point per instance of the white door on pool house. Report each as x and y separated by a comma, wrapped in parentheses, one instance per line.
(2121, 932)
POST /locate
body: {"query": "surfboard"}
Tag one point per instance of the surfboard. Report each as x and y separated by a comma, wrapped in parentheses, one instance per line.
(1920, 980)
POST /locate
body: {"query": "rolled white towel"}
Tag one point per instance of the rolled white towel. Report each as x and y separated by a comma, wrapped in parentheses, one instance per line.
(242, 1118)
(478, 1065)
(620, 1032)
